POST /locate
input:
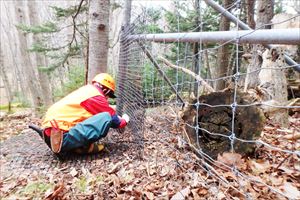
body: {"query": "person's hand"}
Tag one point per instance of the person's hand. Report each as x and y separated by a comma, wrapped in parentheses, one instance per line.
(126, 118)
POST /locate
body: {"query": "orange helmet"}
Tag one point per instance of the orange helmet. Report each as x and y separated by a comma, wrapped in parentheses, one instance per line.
(105, 80)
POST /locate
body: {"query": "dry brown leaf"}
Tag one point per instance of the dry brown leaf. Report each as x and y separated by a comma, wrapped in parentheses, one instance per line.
(115, 168)
(259, 166)
(57, 190)
(154, 186)
(274, 180)
(229, 175)
(195, 194)
(182, 194)
(230, 159)
(149, 195)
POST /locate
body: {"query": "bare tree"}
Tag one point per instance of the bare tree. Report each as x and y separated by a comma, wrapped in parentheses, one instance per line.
(98, 37)
(29, 72)
(4, 77)
(40, 60)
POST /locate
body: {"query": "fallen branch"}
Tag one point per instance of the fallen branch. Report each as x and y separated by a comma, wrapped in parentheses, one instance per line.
(187, 71)
(272, 105)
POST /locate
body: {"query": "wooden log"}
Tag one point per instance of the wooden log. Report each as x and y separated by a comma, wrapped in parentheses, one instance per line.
(215, 123)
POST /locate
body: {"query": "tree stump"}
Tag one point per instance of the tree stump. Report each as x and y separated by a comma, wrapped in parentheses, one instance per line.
(215, 123)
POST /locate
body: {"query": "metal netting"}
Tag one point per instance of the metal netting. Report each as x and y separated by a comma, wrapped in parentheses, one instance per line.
(155, 83)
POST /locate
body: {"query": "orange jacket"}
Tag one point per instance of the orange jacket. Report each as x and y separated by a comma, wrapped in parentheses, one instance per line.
(68, 112)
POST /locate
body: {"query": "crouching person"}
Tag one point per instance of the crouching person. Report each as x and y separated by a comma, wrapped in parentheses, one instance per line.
(76, 122)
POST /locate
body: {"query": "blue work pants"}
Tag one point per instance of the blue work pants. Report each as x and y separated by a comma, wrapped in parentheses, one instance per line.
(87, 132)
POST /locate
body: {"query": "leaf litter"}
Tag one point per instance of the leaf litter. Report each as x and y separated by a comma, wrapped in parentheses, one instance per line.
(167, 170)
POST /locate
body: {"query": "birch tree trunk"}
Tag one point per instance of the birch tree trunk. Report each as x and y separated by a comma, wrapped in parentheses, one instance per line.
(98, 37)
(27, 67)
(40, 60)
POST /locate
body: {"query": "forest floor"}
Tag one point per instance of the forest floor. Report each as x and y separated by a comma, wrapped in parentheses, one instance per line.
(167, 169)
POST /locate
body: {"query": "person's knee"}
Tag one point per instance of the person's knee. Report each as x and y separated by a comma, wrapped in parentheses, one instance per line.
(104, 115)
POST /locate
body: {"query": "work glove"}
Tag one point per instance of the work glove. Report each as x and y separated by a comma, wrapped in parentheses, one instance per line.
(126, 118)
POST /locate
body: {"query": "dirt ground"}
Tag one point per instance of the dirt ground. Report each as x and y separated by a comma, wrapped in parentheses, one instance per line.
(161, 166)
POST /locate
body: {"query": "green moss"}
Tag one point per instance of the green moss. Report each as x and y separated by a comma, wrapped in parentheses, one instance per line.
(34, 189)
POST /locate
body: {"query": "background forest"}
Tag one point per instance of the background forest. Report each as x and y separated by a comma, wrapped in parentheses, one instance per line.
(207, 120)
(44, 44)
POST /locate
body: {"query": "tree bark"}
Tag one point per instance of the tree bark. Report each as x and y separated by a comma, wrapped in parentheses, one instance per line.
(196, 47)
(40, 60)
(12, 55)
(27, 67)
(217, 121)
(98, 37)
(250, 4)
(223, 51)
(265, 14)
(127, 13)
(6, 82)
(274, 83)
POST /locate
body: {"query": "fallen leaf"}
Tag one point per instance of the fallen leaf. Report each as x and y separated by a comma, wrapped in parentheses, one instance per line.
(259, 166)
(164, 171)
(149, 195)
(221, 196)
(275, 180)
(85, 171)
(74, 172)
(230, 159)
(115, 168)
(195, 194)
(181, 194)
(57, 190)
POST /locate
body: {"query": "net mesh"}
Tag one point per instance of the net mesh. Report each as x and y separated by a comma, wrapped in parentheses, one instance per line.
(156, 80)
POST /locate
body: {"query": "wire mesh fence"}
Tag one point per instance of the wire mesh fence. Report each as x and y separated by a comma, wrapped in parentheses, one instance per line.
(174, 82)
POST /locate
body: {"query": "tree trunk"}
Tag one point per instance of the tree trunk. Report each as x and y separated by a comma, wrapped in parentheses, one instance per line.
(265, 14)
(40, 60)
(274, 83)
(127, 13)
(29, 72)
(98, 37)
(250, 4)
(12, 55)
(6, 82)
(196, 47)
(223, 51)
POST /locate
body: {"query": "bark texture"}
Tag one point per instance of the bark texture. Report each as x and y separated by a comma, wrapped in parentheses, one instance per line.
(274, 84)
(7, 85)
(30, 73)
(215, 123)
(265, 12)
(98, 37)
(39, 59)
(223, 51)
